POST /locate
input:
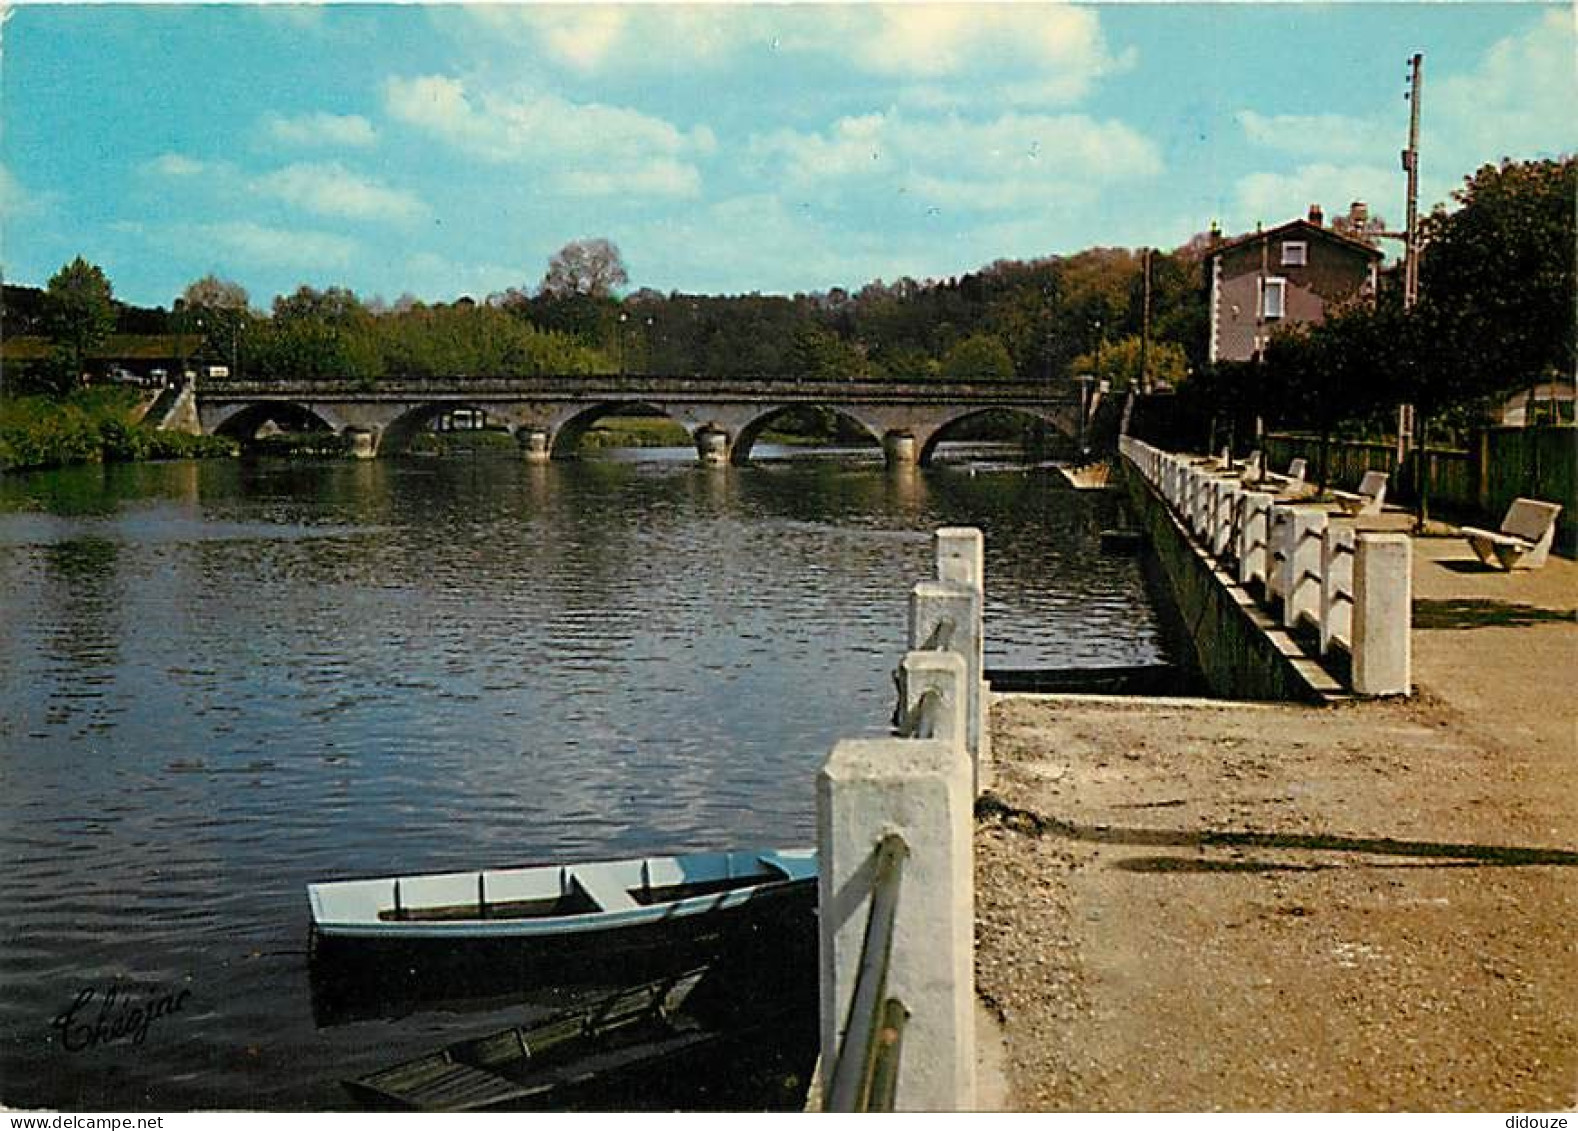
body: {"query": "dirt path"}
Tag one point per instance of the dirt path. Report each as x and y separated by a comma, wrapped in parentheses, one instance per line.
(1198, 906)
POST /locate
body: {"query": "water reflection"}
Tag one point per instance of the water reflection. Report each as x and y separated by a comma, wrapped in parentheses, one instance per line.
(224, 681)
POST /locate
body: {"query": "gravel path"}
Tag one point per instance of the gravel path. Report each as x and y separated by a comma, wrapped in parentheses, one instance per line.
(1200, 906)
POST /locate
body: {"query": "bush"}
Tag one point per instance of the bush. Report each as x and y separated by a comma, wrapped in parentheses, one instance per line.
(90, 426)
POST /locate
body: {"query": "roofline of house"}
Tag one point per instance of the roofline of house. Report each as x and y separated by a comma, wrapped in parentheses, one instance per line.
(1317, 229)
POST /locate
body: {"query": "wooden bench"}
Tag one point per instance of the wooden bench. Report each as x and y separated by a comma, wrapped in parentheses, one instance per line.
(1525, 537)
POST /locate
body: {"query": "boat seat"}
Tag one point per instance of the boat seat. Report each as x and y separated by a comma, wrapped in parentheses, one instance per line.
(607, 895)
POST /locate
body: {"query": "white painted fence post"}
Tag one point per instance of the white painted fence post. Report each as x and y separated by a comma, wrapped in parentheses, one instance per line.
(931, 604)
(1228, 494)
(1254, 537)
(961, 560)
(920, 790)
(1305, 532)
(1336, 586)
(943, 675)
(1382, 613)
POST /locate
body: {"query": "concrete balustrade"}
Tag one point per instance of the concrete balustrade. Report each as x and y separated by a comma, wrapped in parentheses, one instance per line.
(1310, 566)
(923, 789)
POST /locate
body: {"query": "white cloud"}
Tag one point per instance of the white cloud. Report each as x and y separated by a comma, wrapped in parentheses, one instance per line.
(1022, 53)
(261, 245)
(1060, 46)
(332, 190)
(582, 148)
(175, 165)
(1276, 198)
(588, 38)
(1012, 161)
(15, 199)
(1336, 137)
(338, 130)
(1517, 103)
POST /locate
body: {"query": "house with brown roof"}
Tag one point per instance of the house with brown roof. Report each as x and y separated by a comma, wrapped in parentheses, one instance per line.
(1285, 276)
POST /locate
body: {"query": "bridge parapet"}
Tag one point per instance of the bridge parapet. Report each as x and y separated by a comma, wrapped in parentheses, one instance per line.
(594, 387)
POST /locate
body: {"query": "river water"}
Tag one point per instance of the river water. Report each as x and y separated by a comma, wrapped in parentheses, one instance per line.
(222, 681)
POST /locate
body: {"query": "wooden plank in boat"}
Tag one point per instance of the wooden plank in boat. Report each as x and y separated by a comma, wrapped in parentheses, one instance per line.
(604, 890)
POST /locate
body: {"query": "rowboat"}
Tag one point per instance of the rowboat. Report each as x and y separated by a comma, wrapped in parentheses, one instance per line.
(622, 1052)
(602, 923)
(557, 900)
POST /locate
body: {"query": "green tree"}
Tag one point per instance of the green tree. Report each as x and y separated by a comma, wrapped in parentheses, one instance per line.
(1121, 362)
(217, 309)
(1497, 276)
(79, 315)
(980, 356)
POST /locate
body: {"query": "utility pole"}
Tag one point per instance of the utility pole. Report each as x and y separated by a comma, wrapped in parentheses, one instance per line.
(1409, 427)
(1411, 167)
(1145, 326)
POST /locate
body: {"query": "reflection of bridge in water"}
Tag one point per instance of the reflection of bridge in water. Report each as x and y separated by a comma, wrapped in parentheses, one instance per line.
(548, 415)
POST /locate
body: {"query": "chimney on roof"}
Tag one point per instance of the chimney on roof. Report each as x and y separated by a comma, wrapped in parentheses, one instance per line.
(1317, 217)
(1358, 215)
(1216, 233)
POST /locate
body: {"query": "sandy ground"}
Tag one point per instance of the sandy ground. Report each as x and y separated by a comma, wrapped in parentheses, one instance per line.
(1189, 905)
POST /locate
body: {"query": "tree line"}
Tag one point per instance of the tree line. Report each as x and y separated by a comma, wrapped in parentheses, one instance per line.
(1042, 318)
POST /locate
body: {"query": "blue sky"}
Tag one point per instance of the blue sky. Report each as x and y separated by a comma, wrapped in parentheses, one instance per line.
(449, 150)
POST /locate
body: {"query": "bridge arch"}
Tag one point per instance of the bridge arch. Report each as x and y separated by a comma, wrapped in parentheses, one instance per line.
(568, 433)
(740, 449)
(1058, 420)
(398, 435)
(245, 421)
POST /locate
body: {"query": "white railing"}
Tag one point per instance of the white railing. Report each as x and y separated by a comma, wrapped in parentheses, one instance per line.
(914, 995)
(1309, 565)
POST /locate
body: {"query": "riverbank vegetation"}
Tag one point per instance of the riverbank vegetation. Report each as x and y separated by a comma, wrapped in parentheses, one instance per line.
(90, 426)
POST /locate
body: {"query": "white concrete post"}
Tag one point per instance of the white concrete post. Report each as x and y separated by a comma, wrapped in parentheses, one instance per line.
(961, 556)
(920, 790)
(1336, 586)
(1382, 614)
(1279, 565)
(1304, 531)
(1228, 493)
(1254, 537)
(932, 603)
(942, 674)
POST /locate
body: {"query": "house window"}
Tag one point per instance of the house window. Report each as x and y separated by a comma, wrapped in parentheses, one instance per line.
(1295, 253)
(1273, 298)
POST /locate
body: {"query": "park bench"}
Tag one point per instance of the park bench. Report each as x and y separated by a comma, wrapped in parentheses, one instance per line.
(1368, 499)
(1524, 539)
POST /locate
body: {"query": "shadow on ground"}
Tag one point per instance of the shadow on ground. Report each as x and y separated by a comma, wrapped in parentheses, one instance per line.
(1463, 612)
(1023, 820)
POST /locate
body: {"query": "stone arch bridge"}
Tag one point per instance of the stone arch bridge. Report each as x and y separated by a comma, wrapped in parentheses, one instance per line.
(548, 414)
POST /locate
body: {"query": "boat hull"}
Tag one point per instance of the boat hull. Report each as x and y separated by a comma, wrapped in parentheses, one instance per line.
(355, 977)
